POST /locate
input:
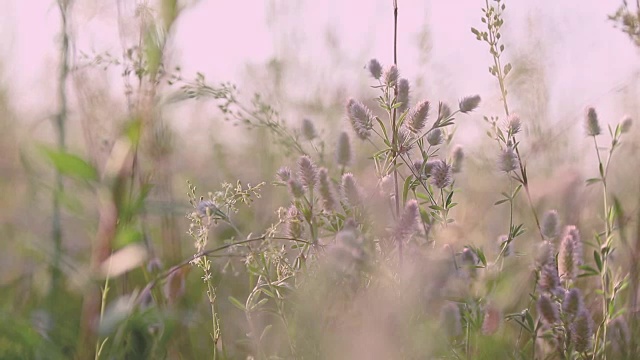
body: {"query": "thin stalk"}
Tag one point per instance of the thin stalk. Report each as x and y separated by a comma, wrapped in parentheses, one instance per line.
(60, 125)
(394, 129)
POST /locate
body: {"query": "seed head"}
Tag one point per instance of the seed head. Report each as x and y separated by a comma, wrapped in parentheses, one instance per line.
(284, 174)
(508, 160)
(458, 156)
(417, 117)
(581, 330)
(343, 150)
(492, 320)
(545, 254)
(547, 310)
(308, 129)
(351, 190)
(391, 76)
(441, 174)
(592, 125)
(469, 103)
(327, 194)
(550, 224)
(435, 137)
(375, 68)
(361, 118)
(403, 95)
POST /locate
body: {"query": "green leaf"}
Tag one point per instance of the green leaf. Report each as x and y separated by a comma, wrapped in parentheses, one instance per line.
(405, 189)
(598, 260)
(237, 303)
(592, 181)
(70, 165)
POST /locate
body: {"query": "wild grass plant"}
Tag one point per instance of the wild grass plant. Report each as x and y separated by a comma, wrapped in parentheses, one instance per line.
(355, 243)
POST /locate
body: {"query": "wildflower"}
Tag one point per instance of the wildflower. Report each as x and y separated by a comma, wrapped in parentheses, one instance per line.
(351, 190)
(574, 233)
(404, 140)
(435, 137)
(428, 167)
(417, 166)
(361, 118)
(375, 68)
(547, 310)
(386, 185)
(513, 124)
(549, 279)
(581, 330)
(308, 129)
(294, 222)
(441, 174)
(417, 117)
(284, 174)
(451, 320)
(469, 103)
(391, 76)
(458, 156)
(550, 224)
(327, 195)
(295, 188)
(508, 160)
(403, 95)
(592, 125)
(408, 221)
(625, 124)
(545, 253)
(567, 264)
(343, 150)
(572, 303)
(308, 172)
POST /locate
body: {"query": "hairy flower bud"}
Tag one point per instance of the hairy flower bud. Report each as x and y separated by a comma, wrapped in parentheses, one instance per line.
(567, 264)
(295, 188)
(508, 160)
(547, 310)
(417, 117)
(444, 112)
(308, 172)
(351, 190)
(327, 194)
(592, 124)
(435, 137)
(284, 174)
(469, 103)
(581, 330)
(492, 320)
(572, 303)
(513, 124)
(549, 279)
(550, 224)
(408, 221)
(403, 95)
(361, 118)
(458, 156)
(294, 222)
(625, 124)
(343, 150)
(375, 68)
(308, 129)
(441, 174)
(391, 76)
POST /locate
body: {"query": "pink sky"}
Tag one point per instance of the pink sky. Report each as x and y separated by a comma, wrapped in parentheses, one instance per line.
(586, 58)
